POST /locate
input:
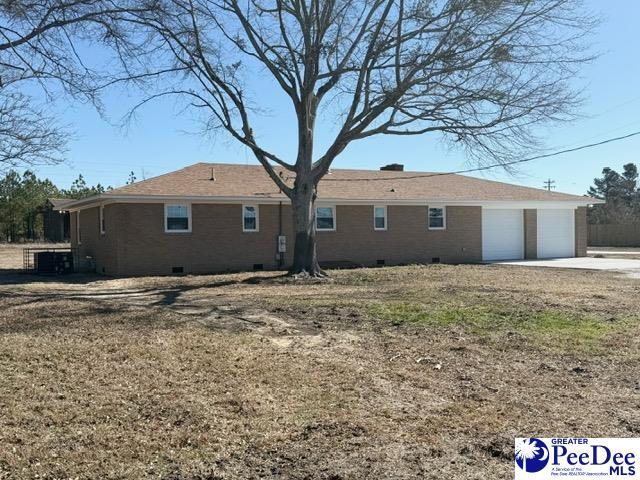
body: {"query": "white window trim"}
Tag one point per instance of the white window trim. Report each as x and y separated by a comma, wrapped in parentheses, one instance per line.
(256, 207)
(103, 227)
(444, 218)
(181, 204)
(78, 233)
(386, 219)
(335, 218)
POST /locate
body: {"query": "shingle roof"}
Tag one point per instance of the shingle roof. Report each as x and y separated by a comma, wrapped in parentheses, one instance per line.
(252, 181)
(59, 203)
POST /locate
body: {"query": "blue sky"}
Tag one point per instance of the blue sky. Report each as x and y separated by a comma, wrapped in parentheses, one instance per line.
(162, 138)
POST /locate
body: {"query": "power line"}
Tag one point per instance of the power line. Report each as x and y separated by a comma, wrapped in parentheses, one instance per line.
(488, 167)
(617, 106)
(600, 134)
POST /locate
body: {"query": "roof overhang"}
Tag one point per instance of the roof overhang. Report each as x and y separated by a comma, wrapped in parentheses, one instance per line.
(105, 199)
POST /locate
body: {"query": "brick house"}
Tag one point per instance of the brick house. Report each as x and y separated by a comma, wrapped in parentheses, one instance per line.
(223, 217)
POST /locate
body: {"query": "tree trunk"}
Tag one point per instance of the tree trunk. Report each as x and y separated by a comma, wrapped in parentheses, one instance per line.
(305, 255)
(303, 196)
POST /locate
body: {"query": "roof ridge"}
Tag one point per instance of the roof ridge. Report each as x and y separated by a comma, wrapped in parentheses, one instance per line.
(153, 178)
(332, 169)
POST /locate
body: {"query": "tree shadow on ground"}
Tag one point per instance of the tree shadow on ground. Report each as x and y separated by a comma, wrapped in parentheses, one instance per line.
(17, 276)
(156, 307)
(168, 295)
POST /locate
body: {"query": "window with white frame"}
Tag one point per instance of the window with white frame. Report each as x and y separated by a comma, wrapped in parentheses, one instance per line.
(379, 218)
(103, 227)
(177, 218)
(325, 218)
(250, 220)
(437, 218)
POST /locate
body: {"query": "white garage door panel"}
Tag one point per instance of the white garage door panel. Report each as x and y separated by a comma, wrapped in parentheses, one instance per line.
(502, 234)
(556, 233)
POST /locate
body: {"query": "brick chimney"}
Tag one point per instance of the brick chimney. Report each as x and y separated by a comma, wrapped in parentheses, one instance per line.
(393, 167)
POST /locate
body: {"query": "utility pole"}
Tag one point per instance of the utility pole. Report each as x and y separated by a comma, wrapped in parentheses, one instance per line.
(549, 184)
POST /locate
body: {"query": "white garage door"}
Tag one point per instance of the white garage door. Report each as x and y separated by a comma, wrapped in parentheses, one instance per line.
(556, 233)
(502, 234)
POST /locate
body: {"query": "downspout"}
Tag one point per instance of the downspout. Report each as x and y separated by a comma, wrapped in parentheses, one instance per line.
(280, 254)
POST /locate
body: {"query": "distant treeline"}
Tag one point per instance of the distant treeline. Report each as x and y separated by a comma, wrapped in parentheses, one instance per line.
(622, 196)
(22, 198)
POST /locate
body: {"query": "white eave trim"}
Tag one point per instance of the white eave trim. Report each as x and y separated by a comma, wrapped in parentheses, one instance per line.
(106, 199)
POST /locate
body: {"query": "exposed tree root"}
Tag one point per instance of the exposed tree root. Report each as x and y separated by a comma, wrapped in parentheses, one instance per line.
(303, 274)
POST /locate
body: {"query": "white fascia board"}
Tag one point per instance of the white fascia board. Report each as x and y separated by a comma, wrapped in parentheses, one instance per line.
(86, 203)
(535, 204)
(107, 199)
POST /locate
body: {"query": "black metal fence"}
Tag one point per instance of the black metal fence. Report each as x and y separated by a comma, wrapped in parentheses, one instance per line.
(51, 261)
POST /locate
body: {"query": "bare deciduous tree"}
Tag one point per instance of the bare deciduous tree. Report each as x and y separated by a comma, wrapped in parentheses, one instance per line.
(40, 44)
(27, 135)
(481, 72)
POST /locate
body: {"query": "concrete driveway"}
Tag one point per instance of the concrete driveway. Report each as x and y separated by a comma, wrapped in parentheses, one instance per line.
(623, 265)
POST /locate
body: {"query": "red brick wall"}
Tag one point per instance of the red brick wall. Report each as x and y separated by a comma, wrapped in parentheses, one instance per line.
(581, 231)
(97, 251)
(406, 239)
(531, 233)
(216, 242)
(135, 242)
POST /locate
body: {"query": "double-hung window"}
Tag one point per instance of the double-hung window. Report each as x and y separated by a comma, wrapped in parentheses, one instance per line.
(325, 219)
(250, 220)
(379, 218)
(177, 218)
(437, 218)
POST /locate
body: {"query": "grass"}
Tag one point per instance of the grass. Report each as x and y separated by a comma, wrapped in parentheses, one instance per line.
(556, 328)
(407, 372)
(399, 313)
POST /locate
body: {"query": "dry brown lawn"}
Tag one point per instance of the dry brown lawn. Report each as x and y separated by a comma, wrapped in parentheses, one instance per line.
(408, 372)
